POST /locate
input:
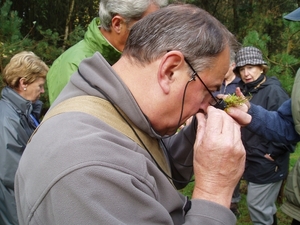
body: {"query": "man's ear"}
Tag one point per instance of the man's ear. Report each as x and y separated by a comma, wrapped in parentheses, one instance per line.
(172, 63)
(117, 22)
(233, 65)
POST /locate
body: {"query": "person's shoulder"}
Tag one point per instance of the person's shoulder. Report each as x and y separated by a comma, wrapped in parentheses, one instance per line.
(272, 80)
(238, 79)
(73, 55)
(274, 83)
(7, 111)
(95, 22)
(3, 107)
(79, 51)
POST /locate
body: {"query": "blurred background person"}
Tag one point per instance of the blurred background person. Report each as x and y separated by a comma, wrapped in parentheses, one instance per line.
(20, 108)
(266, 162)
(106, 34)
(230, 80)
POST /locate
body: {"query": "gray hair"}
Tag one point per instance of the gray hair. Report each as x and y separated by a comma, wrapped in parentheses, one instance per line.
(232, 56)
(186, 28)
(128, 9)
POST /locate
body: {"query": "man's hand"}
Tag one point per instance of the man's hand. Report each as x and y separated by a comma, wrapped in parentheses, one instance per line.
(219, 157)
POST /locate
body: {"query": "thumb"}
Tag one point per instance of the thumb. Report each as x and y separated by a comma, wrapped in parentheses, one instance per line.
(240, 116)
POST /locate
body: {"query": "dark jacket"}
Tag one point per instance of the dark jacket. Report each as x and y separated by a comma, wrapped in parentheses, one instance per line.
(274, 125)
(16, 126)
(268, 93)
(229, 88)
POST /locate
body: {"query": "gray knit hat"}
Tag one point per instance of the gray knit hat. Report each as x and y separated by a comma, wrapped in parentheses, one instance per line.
(249, 56)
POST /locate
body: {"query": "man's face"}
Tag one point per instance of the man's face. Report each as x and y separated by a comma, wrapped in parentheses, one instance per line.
(197, 97)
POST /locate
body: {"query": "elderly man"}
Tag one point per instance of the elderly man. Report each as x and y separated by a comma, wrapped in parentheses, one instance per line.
(106, 34)
(105, 153)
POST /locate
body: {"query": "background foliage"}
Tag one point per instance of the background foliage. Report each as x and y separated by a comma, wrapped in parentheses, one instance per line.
(50, 27)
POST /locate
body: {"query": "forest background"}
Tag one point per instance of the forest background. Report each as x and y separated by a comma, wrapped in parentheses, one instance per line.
(49, 27)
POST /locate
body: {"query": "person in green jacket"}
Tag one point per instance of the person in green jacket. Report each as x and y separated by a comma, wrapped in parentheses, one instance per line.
(106, 34)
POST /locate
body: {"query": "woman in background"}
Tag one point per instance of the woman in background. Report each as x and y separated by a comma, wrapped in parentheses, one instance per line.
(266, 162)
(20, 108)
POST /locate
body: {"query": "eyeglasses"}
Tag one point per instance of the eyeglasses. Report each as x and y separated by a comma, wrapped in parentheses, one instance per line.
(216, 102)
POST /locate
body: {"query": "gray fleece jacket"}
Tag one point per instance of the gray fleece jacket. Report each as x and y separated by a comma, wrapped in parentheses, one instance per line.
(79, 170)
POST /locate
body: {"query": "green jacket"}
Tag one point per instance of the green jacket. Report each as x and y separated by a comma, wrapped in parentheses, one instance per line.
(67, 63)
(291, 206)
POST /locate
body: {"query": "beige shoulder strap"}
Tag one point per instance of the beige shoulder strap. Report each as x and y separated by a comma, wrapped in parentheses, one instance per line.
(103, 110)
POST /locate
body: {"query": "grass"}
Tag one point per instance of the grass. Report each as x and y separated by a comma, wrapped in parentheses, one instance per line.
(244, 218)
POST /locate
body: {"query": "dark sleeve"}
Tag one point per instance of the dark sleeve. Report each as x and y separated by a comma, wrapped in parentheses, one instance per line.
(275, 126)
(179, 149)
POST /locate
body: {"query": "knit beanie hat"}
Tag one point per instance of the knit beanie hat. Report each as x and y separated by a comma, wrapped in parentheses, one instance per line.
(249, 56)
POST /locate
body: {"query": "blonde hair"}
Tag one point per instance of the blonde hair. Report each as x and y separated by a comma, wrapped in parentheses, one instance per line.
(25, 65)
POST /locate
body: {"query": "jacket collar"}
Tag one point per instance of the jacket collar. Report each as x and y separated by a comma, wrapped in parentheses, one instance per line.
(96, 40)
(20, 104)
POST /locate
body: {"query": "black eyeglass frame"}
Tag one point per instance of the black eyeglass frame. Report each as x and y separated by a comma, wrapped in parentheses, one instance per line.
(219, 103)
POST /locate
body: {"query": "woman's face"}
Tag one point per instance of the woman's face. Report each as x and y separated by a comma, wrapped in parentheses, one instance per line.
(33, 91)
(250, 73)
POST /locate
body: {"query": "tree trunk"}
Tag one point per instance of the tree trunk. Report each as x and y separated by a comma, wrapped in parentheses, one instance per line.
(68, 23)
